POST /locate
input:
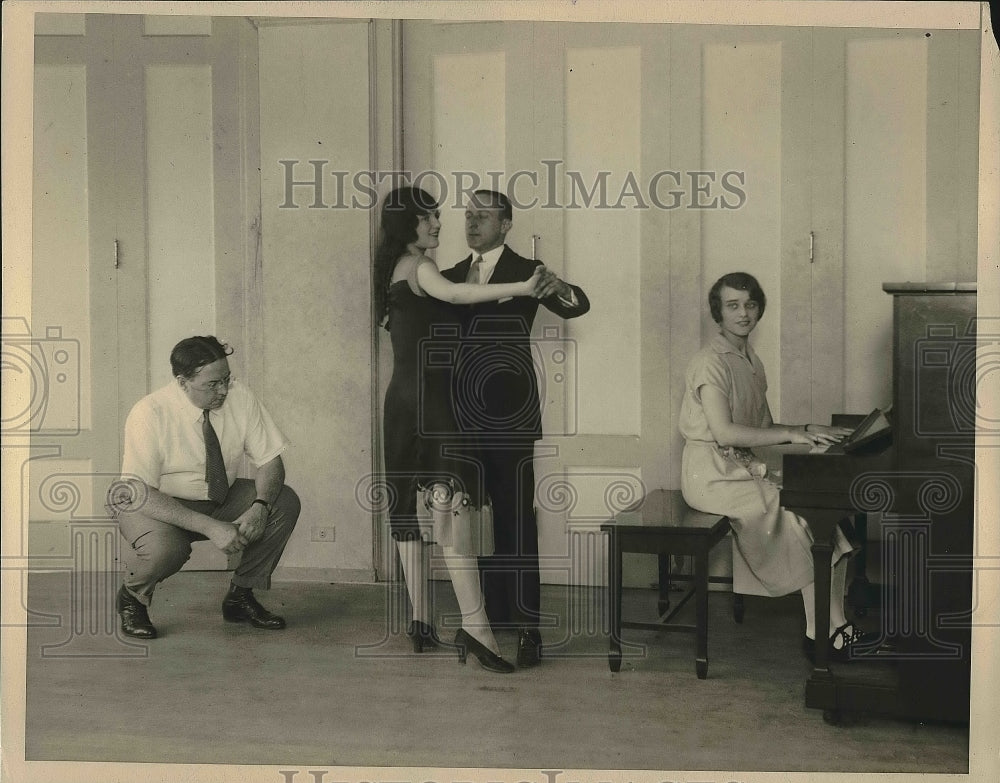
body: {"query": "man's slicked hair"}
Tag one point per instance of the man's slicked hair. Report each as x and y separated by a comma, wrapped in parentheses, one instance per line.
(193, 353)
(499, 200)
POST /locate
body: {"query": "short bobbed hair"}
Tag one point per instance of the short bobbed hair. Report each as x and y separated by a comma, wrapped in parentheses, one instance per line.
(739, 281)
(193, 353)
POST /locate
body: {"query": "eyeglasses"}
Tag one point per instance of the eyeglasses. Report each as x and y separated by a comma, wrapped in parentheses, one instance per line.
(221, 383)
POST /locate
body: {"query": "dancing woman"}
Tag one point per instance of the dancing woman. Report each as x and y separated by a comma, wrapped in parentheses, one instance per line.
(419, 429)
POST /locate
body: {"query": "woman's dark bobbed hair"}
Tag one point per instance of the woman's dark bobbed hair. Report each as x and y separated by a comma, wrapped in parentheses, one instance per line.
(739, 281)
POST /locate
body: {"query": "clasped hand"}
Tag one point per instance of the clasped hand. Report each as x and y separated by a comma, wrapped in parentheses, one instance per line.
(544, 283)
(233, 537)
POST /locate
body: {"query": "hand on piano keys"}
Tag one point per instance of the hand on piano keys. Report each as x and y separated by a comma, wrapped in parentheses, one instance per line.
(824, 438)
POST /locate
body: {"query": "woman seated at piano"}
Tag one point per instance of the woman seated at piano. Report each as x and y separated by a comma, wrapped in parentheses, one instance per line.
(724, 415)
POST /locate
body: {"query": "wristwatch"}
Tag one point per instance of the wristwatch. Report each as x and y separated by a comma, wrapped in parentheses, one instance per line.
(264, 503)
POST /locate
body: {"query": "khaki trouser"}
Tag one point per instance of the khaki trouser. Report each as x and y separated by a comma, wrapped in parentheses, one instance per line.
(156, 550)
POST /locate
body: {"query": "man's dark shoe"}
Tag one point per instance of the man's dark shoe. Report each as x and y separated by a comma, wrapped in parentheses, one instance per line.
(240, 606)
(529, 648)
(133, 615)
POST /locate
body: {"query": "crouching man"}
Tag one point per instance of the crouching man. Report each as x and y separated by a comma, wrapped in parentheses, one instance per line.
(183, 446)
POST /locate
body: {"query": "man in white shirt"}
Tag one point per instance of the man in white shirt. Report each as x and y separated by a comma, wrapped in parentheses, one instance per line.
(183, 446)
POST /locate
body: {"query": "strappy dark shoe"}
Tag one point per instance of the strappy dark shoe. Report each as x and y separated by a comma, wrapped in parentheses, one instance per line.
(488, 659)
(850, 637)
(422, 636)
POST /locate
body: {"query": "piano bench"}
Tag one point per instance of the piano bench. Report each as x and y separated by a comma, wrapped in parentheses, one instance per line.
(661, 523)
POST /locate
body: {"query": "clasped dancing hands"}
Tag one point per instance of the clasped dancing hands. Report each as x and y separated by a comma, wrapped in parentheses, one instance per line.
(544, 283)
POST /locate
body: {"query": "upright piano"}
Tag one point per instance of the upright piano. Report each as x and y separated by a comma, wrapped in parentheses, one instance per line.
(923, 485)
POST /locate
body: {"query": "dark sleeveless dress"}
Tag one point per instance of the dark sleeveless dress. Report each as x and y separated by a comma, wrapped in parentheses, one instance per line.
(422, 443)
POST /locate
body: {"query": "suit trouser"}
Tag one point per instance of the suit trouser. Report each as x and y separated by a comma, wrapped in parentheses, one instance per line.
(157, 550)
(510, 578)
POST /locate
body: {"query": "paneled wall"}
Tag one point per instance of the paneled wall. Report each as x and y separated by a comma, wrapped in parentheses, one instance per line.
(180, 192)
(162, 210)
(855, 150)
(885, 200)
(137, 205)
(814, 158)
(315, 283)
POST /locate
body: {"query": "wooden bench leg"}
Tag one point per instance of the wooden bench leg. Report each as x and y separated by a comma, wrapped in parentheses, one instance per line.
(701, 607)
(663, 569)
(615, 600)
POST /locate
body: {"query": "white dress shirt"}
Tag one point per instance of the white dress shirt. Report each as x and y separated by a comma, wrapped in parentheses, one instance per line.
(164, 445)
(488, 265)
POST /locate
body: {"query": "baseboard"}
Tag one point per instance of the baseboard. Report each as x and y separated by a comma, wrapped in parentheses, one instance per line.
(330, 575)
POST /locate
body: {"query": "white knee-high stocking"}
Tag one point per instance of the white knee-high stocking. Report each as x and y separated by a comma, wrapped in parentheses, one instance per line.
(413, 555)
(838, 581)
(464, 569)
(452, 513)
(464, 572)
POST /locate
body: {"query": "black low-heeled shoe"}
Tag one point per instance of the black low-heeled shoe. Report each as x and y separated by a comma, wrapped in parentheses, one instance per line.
(422, 636)
(851, 638)
(488, 659)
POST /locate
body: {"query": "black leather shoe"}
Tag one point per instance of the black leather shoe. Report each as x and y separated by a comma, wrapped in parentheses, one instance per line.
(240, 606)
(488, 659)
(529, 648)
(423, 636)
(133, 615)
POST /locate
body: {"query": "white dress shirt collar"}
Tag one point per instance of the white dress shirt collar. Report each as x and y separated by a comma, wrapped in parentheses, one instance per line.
(490, 259)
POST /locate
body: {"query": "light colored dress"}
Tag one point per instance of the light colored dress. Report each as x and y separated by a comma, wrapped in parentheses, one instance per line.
(772, 554)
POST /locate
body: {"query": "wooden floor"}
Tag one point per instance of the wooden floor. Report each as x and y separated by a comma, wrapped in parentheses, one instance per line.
(336, 688)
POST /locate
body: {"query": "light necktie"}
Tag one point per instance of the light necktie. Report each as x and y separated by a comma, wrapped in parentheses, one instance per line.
(476, 270)
(215, 467)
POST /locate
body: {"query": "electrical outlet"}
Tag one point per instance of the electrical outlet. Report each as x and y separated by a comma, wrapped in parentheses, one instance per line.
(323, 534)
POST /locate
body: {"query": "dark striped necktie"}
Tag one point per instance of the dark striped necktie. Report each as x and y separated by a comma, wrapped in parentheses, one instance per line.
(215, 467)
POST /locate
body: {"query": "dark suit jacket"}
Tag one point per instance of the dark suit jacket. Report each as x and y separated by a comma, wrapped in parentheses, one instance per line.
(497, 392)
